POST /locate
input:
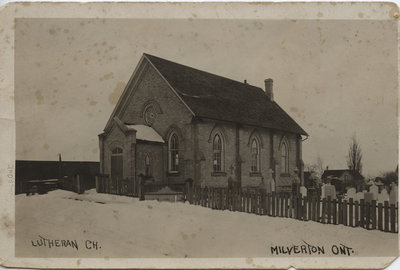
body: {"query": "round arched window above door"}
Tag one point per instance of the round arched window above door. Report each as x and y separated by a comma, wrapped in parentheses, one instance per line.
(150, 115)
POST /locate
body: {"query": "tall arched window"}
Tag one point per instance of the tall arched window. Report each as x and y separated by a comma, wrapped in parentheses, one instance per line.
(147, 164)
(255, 156)
(173, 153)
(116, 163)
(218, 153)
(284, 158)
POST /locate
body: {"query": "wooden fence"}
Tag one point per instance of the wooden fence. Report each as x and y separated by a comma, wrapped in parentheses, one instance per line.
(104, 184)
(368, 215)
(72, 183)
(128, 187)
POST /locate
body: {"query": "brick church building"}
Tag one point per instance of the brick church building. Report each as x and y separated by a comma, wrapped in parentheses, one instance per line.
(173, 123)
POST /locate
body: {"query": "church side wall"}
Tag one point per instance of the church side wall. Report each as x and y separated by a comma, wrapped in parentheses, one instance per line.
(206, 133)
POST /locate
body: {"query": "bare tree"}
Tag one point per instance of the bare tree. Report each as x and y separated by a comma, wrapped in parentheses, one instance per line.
(354, 156)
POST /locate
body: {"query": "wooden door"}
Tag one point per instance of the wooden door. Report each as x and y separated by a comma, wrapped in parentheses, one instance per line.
(116, 168)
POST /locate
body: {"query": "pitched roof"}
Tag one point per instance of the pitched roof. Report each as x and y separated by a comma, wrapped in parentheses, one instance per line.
(338, 173)
(215, 97)
(145, 133)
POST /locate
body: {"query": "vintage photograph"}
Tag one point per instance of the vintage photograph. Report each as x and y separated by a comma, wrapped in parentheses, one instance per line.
(206, 138)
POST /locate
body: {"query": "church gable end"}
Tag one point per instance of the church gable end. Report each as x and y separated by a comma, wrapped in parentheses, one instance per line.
(149, 100)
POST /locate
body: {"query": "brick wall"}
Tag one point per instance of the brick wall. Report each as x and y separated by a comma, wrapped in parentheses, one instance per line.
(155, 152)
(263, 137)
(206, 133)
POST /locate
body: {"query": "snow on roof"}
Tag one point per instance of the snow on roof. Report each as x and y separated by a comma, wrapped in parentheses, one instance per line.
(146, 133)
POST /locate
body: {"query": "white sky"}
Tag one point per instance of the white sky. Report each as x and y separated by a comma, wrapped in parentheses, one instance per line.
(335, 78)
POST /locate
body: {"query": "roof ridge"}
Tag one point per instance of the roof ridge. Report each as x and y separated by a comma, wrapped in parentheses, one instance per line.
(199, 70)
(213, 96)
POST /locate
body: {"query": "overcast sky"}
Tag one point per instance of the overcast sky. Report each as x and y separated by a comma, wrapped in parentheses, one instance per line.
(335, 78)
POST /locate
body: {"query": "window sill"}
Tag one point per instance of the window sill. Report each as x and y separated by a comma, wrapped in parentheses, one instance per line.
(218, 174)
(173, 173)
(255, 174)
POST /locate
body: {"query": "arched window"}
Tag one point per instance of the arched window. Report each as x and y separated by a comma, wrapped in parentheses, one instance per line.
(116, 163)
(116, 151)
(147, 164)
(255, 156)
(284, 158)
(218, 153)
(173, 153)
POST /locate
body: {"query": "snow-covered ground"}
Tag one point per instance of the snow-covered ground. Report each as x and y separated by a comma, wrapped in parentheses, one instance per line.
(126, 227)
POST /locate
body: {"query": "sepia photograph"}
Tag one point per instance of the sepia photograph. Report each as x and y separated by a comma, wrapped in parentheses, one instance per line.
(206, 137)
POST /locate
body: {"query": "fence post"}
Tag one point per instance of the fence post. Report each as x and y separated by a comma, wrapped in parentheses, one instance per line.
(97, 184)
(344, 212)
(334, 211)
(368, 215)
(323, 214)
(309, 207)
(216, 198)
(211, 202)
(304, 209)
(201, 190)
(197, 195)
(262, 201)
(392, 218)
(299, 208)
(373, 212)
(243, 194)
(194, 195)
(386, 214)
(329, 210)
(78, 184)
(207, 197)
(201, 196)
(269, 204)
(277, 204)
(314, 208)
(380, 216)
(351, 212)
(273, 203)
(240, 200)
(254, 202)
(362, 213)
(357, 214)
(340, 211)
(247, 210)
(294, 200)
(234, 200)
(250, 206)
(285, 197)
